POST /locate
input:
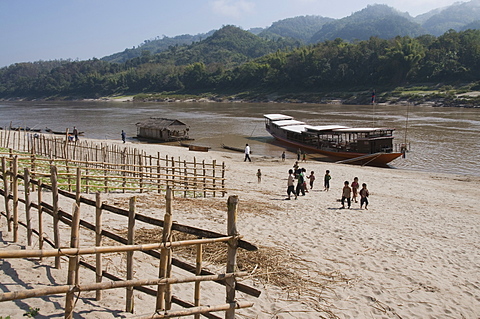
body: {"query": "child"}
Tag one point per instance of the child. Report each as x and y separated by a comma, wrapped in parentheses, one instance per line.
(326, 180)
(259, 175)
(311, 178)
(364, 196)
(283, 156)
(346, 193)
(291, 184)
(355, 187)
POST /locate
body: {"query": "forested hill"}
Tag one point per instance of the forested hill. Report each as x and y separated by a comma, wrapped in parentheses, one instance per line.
(242, 65)
(375, 20)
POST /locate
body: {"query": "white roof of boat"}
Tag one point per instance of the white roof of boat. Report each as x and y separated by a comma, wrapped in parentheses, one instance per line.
(277, 117)
(294, 128)
(325, 127)
(289, 123)
(361, 129)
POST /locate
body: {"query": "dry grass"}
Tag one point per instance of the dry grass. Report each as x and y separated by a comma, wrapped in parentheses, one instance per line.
(277, 266)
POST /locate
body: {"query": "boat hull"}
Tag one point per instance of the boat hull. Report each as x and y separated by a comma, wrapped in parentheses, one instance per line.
(377, 159)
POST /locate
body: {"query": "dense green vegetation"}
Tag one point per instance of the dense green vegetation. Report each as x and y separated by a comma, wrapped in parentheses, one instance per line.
(235, 62)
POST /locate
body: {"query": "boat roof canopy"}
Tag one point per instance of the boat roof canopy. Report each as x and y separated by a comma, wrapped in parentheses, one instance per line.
(318, 128)
(362, 129)
(295, 128)
(277, 117)
(289, 123)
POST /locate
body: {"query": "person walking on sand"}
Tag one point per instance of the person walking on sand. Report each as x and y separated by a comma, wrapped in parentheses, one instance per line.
(299, 152)
(311, 177)
(124, 136)
(291, 185)
(326, 180)
(304, 157)
(283, 156)
(364, 196)
(346, 193)
(247, 153)
(300, 183)
(259, 175)
(355, 187)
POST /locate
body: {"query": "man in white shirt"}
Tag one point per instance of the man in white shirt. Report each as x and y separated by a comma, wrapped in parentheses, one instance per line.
(247, 153)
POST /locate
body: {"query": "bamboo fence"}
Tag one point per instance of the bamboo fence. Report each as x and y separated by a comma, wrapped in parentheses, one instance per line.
(108, 168)
(14, 185)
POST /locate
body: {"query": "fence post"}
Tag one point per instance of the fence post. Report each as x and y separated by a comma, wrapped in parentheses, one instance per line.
(15, 197)
(163, 291)
(204, 180)
(56, 231)
(78, 187)
(6, 188)
(130, 241)
(26, 179)
(98, 243)
(230, 283)
(40, 217)
(214, 180)
(223, 179)
(72, 277)
(198, 272)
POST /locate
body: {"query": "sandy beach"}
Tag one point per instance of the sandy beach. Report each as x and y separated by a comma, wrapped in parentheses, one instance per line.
(414, 253)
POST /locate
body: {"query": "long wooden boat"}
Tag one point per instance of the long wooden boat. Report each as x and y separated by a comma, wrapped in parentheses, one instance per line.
(366, 146)
(232, 148)
(48, 130)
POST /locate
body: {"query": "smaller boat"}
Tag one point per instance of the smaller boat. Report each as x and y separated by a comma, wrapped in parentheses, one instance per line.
(61, 132)
(198, 148)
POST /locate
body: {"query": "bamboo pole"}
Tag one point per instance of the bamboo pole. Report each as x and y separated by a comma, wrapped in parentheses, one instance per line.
(230, 283)
(40, 292)
(198, 271)
(15, 197)
(6, 192)
(130, 241)
(98, 243)
(223, 179)
(72, 275)
(28, 217)
(40, 219)
(163, 301)
(204, 179)
(56, 231)
(78, 187)
(203, 309)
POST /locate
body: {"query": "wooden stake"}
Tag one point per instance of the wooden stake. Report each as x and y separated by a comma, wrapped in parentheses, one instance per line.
(56, 231)
(6, 191)
(130, 241)
(15, 198)
(72, 278)
(165, 255)
(231, 253)
(40, 218)
(98, 243)
(26, 179)
(198, 271)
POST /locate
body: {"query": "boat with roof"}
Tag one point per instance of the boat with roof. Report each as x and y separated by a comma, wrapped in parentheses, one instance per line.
(365, 146)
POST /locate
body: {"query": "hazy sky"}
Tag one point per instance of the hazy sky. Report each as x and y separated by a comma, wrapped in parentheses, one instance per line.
(32, 30)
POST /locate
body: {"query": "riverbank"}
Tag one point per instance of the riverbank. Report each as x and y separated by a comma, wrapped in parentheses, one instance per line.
(412, 254)
(435, 95)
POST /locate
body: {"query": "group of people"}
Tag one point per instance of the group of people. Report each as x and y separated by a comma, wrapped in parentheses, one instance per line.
(299, 174)
(349, 193)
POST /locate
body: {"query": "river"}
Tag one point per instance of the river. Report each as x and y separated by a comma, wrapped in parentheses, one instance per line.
(442, 140)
